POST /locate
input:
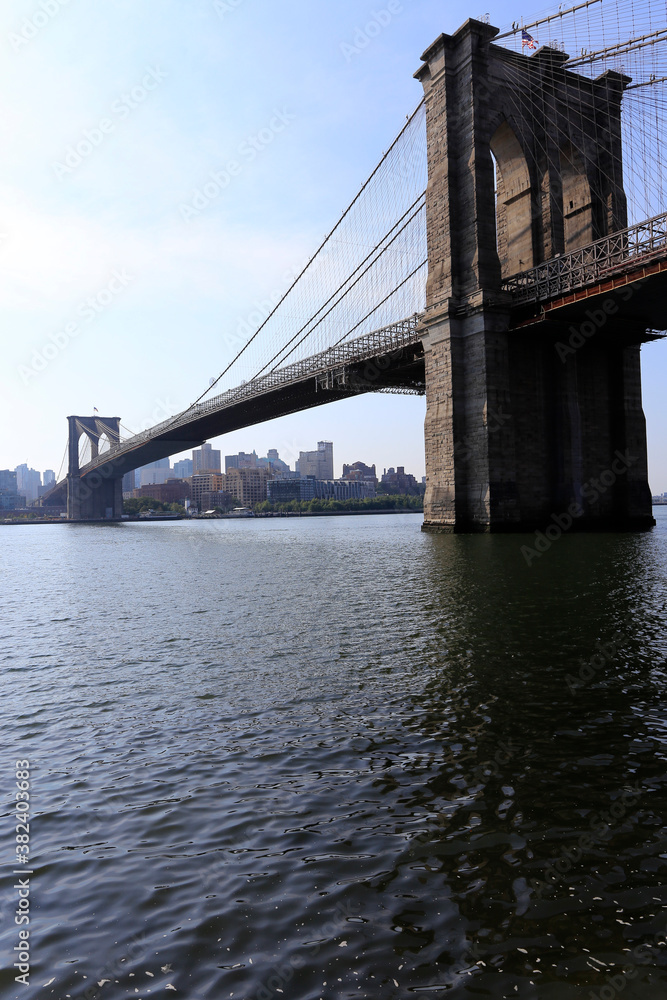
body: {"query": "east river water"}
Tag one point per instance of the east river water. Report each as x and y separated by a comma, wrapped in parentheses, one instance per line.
(334, 757)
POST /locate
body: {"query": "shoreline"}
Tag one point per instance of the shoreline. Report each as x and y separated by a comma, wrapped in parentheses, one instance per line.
(222, 517)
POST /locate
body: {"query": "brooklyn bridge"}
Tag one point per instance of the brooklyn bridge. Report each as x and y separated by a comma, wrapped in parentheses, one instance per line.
(496, 260)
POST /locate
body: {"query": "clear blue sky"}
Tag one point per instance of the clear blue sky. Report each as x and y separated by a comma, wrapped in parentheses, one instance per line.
(168, 291)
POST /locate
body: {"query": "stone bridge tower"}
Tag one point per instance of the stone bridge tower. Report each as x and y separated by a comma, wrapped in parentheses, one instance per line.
(524, 162)
(98, 496)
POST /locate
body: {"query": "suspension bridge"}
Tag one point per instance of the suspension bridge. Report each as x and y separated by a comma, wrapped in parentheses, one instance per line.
(507, 255)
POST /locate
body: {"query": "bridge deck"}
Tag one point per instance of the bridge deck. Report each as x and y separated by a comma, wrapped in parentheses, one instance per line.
(385, 360)
(560, 289)
(634, 258)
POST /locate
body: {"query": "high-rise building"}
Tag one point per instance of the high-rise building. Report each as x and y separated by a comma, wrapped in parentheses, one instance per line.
(207, 482)
(155, 472)
(247, 485)
(317, 463)
(8, 480)
(49, 477)
(10, 498)
(28, 482)
(183, 468)
(129, 482)
(205, 459)
(241, 461)
(274, 464)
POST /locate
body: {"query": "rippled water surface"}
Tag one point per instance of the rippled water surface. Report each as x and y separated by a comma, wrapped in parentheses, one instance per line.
(336, 757)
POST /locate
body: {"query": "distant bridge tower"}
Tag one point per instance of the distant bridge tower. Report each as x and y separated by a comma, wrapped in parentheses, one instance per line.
(514, 431)
(99, 495)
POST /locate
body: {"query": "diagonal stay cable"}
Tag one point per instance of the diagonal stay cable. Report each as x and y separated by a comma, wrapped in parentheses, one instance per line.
(368, 314)
(381, 303)
(321, 247)
(346, 292)
(348, 278)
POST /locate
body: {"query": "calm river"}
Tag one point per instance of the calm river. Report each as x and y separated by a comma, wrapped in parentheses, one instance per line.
(333, 757)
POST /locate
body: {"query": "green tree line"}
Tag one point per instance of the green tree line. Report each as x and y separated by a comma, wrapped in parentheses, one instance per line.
(139, 505)
(382, 502)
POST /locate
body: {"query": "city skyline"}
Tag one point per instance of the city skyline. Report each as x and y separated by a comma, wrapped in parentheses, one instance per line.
(170, 464)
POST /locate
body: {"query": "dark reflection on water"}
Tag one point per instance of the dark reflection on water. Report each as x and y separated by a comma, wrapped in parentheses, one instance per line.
(337, 758)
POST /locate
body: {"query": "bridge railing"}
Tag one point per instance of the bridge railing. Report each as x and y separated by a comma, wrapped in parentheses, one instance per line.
(589, 264)
(368, 346)
(378, 342)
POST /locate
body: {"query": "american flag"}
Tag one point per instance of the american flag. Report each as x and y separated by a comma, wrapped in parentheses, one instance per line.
(528, 40)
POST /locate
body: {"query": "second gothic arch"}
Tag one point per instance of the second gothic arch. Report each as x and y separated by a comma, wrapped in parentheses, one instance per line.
(514, 214)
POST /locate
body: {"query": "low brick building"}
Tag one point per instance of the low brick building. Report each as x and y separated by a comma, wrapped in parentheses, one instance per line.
(173, 491)
(217, 498)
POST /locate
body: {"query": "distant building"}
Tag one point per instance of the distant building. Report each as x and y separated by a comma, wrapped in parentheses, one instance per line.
(316, 463)
(399, 479)
(155, 473)
(10, 498)
(241, 461)
(173, 491)
(28, 482)
(219, 498)
(358, 472)
(129, 483)
(309, 488)
(275, 465)
(48, 480)
(207, 482)
(183, 468)
(285, 490)
(8, 480)
(248, 486)
(205, 460)
(343, 489)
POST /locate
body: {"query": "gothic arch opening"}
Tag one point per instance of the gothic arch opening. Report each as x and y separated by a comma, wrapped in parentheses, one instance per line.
(85, 449)
(514, 227)
(577, 203)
